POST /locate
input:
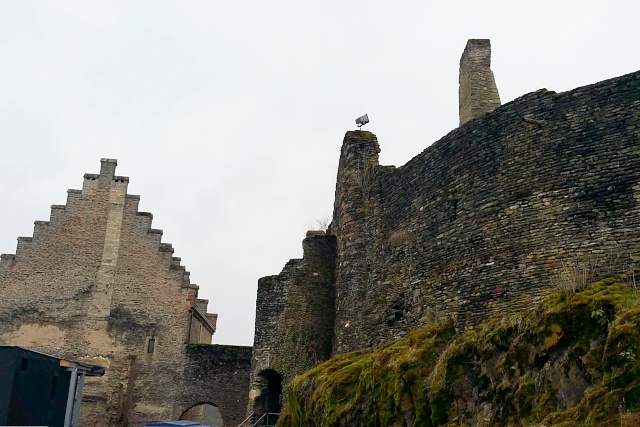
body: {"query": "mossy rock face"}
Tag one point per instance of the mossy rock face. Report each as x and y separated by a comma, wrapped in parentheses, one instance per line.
(343, 390)
(573, 362)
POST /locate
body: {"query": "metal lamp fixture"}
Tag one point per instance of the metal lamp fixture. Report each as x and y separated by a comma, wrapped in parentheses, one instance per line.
(362, 120)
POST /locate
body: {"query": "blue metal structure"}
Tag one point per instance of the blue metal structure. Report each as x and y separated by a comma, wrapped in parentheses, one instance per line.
(37, 389)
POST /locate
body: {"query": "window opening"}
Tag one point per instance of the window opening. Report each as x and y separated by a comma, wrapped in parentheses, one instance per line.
(151, 345)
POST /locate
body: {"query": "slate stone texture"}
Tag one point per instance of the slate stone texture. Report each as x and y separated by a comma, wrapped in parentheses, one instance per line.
(483, 222)
(294, 317)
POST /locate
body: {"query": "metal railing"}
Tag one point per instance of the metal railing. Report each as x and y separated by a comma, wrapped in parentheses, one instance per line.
(246, 420)
(269, 420)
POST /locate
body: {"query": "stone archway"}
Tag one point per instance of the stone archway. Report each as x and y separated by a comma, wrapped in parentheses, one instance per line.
(217, 375)
(268, 399)
(205, 413)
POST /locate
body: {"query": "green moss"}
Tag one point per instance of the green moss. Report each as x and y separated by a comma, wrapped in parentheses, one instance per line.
(573, 362)
(346, 388)
(364, 135)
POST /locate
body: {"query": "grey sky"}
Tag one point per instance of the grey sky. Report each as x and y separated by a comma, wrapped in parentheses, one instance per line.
(228, 115)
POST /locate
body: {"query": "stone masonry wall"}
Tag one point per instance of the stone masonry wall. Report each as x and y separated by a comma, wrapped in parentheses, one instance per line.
(356, 169)
(478, 93)
(483, 221)
(294, 315)
(218, 375)
(95, 283)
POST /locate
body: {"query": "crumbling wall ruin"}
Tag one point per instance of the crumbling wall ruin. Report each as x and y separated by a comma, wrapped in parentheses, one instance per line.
(484, 221)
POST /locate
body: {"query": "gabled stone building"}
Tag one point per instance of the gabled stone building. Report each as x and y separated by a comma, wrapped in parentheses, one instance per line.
(95, 283)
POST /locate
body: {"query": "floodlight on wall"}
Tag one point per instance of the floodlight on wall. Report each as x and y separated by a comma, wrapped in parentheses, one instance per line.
(361, 121)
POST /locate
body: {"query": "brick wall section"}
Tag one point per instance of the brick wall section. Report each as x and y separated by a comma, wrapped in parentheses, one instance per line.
(295, 314)
(218, 375)
(480, 223)
(478, 93)
(95, 283)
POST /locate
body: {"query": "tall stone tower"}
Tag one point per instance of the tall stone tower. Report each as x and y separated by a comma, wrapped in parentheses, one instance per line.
(478, 93)
(358, 160)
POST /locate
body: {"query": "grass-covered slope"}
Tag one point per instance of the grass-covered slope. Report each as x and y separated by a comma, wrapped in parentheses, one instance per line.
(573, 362)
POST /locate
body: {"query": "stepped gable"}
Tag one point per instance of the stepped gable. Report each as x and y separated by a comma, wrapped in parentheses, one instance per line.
(92, 182)
(96, 283)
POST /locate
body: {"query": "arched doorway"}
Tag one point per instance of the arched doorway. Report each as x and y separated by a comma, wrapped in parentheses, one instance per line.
(268, 400)
(203, 413)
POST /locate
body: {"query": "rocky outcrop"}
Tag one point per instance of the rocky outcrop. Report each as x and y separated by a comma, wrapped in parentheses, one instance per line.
(574, 361)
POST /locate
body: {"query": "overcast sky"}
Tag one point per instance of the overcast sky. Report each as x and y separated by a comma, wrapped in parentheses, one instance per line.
(228, 116)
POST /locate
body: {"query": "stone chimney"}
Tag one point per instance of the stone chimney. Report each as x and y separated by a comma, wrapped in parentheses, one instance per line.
(108, 168)
(478, 93)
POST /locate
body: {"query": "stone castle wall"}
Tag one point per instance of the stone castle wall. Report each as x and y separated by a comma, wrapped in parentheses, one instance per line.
(95, 283)
(484, 221)
(481, 222)
(294, 317)
(217, 375)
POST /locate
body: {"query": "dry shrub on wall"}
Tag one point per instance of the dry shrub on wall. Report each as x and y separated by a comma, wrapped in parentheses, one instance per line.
(576, 274)
(320, 224)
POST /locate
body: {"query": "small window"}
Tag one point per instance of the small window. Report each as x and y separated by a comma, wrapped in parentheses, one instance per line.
(151, 345)
(54, 387)
(24, 363)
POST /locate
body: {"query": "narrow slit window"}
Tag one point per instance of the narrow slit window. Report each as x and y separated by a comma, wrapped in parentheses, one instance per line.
(151, 345)
(24, 363)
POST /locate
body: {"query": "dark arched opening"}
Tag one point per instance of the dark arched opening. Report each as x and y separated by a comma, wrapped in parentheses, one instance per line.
(204, 413)
(269, 398)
